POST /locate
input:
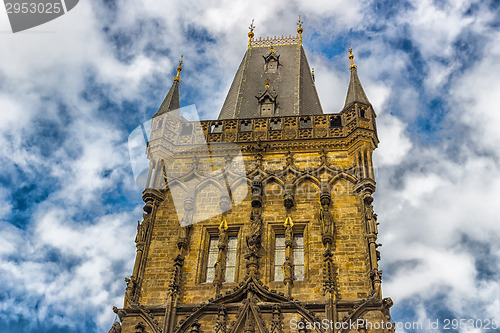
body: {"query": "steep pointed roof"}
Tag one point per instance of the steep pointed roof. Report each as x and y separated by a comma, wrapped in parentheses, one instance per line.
(171, 101)
(291, 83)
(355, 92)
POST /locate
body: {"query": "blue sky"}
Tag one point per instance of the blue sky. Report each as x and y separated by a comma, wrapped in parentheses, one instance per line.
(73, 89)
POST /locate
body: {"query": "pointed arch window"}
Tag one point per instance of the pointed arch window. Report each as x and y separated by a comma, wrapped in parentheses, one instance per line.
(230, 272)
(231, 256)
(298, 257)
(213, 251)
(279, 257)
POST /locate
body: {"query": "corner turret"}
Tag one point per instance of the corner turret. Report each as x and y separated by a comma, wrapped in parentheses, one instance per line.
(171, 101)
(355, 92)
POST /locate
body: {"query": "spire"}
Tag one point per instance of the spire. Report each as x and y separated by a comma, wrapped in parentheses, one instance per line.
(179, 69)
(171, 101)
(250, 34)
(300, 30)
(355, 92)
(292, 85)
(351, 57)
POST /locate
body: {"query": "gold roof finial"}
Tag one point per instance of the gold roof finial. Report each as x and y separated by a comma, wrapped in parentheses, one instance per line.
(272, 49)
(351, 56)
(267, 83)
(300, 30)
(179, 69)
(223, 224)
(250, 34)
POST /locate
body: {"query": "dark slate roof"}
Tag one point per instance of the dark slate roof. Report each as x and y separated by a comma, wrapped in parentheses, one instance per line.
(171, 101)
(355, 92)
(292, 83)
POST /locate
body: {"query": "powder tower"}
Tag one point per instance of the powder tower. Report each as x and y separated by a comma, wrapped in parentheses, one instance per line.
(260, 221)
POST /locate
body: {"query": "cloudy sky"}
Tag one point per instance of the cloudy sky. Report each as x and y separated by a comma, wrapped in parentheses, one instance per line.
(73, 89)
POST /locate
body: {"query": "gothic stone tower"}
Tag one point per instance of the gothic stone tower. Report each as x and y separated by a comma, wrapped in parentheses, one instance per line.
(262, 220)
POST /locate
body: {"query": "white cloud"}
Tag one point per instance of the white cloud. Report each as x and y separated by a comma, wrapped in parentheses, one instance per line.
(80, 278)
(473, 98)
(394, 143)
(436, 27)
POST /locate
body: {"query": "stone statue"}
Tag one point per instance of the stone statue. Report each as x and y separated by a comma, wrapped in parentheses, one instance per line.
(187, 219)
(130, 290)
(369, 211)
(140, 233)
(326, 220)
(288, 199)
(254, 240)
(223, 236)
(370, 216)
(116, 328)
(183, 233)
(288, 235)
(287, 270)
(145, 220)
(120, 313)
(218, 272)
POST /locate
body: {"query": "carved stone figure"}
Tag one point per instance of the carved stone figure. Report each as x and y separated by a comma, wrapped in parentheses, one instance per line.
(287, 270)
(326, 220)
(254, 240)
(370, 216)
(223, 236)
(116, 328)
(140, 237)
(369, 211)
(288, 232)
(218, 272)
(145, 219)
(187, 219)
(288, 197)
(120, 313)
(130, 290)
